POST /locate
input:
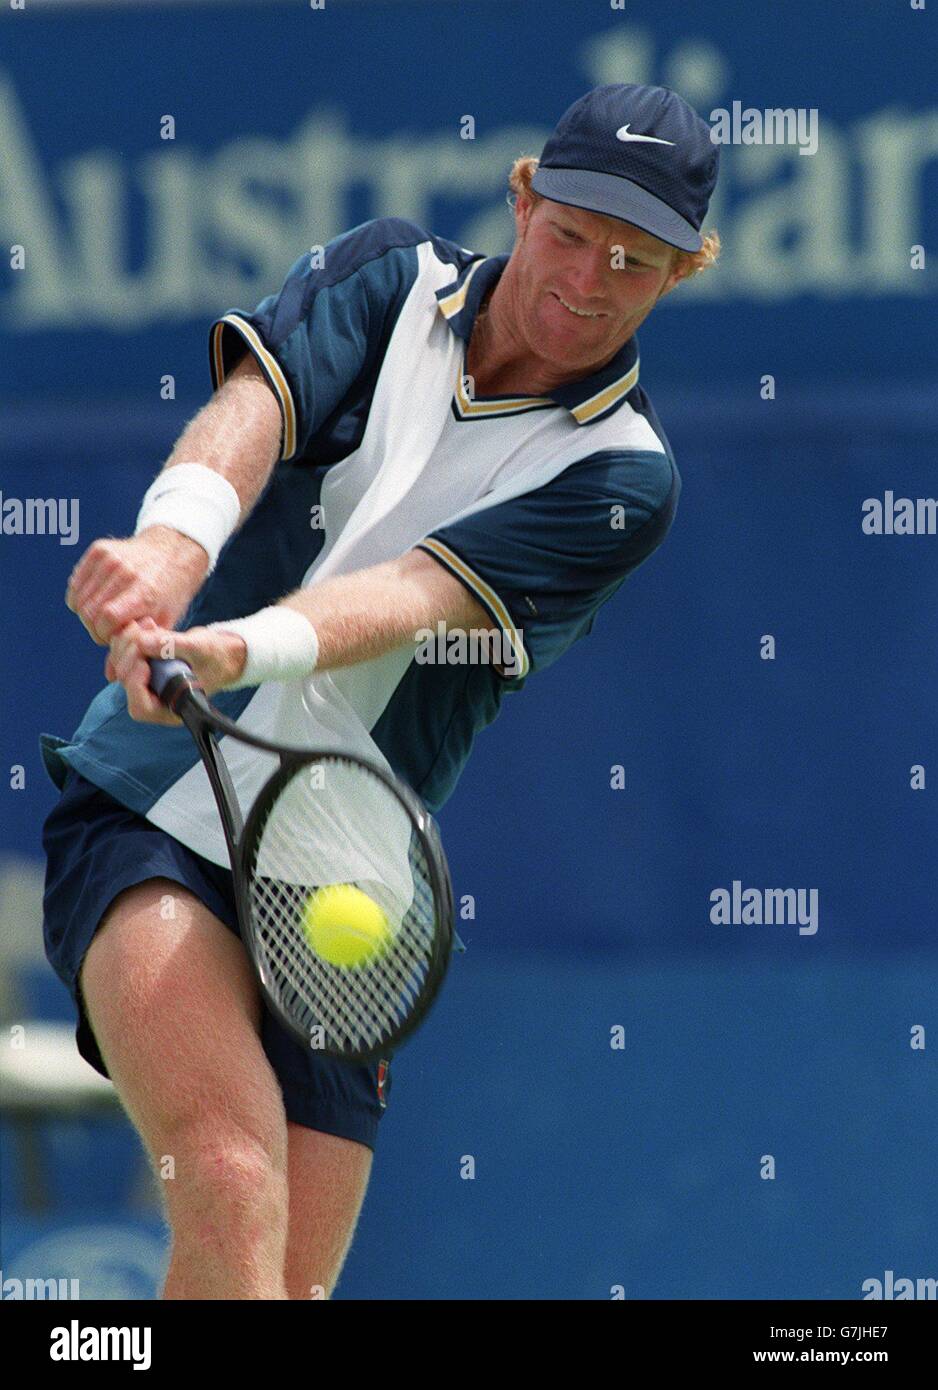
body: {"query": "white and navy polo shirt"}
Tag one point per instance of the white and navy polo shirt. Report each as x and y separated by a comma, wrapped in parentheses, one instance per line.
(541, 506)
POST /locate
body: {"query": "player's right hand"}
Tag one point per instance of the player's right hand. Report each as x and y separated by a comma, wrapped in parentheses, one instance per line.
(216, 657)
(153, 575)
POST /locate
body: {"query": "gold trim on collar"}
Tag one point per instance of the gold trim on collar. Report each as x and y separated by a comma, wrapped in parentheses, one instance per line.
(452, 303)
(608, 396)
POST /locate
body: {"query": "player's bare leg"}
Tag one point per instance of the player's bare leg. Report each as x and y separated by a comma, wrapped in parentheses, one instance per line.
(175, 1010)
(328, 1177)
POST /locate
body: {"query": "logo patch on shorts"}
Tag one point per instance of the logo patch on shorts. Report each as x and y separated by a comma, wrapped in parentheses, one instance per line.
(382, 1077)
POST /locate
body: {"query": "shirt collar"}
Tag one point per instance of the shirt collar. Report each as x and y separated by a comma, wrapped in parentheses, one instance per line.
(589, 399)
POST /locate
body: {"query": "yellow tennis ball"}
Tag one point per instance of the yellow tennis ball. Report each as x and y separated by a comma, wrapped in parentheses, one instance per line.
(344, 925)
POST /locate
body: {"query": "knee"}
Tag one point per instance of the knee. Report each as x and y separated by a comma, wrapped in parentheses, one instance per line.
(225, 1178)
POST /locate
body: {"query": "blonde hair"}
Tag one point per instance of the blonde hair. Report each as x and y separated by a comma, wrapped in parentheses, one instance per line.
(691, 262)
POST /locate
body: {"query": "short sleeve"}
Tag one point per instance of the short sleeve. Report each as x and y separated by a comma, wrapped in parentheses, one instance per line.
(328, 322)
(543, 563)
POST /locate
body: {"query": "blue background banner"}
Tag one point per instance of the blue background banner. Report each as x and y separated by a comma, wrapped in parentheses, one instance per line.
(291, 125)
(585, 890)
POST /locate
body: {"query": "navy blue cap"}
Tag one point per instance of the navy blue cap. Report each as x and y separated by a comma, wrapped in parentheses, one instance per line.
(637, 153)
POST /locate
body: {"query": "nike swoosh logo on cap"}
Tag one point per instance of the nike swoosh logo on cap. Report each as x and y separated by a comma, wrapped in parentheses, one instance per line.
(623, 133)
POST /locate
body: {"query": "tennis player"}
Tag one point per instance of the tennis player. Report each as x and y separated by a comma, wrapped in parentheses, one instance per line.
(406, 434)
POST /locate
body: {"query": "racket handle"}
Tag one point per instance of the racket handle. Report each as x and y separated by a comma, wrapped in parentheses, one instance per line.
(168, 679)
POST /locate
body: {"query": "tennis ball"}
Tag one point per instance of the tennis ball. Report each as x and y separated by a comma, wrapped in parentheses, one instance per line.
(344, 926)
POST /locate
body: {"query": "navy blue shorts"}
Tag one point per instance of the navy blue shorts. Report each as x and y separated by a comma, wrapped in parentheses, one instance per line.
(96, 848)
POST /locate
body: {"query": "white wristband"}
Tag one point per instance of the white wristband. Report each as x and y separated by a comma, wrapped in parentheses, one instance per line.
(282, 645)
(197, 502)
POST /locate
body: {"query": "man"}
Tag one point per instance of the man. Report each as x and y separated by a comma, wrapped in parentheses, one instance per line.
(408, 434)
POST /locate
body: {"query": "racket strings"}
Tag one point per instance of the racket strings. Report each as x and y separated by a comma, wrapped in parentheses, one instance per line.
(355, 1007)
(359, 834)
(282, 908)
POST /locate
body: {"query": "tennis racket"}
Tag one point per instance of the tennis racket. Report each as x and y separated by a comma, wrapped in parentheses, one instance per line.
(321, 818)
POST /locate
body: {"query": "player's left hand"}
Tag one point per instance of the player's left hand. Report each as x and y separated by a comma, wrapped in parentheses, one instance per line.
(217, 658)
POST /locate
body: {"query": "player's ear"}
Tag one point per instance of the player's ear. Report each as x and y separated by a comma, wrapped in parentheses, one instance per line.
(523, 208)
(680, 269)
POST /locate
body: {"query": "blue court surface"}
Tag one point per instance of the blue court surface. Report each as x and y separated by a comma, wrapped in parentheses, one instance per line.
(598, 1168)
